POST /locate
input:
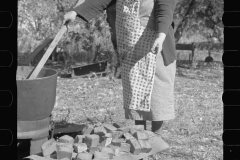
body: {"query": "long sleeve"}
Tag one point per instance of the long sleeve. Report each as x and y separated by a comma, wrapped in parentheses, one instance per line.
(91, 8)
(164, 10)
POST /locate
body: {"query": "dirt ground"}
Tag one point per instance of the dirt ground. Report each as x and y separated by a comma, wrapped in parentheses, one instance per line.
(196, 131)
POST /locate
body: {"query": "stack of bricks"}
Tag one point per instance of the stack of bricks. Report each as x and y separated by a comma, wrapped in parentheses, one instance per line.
(101, 142)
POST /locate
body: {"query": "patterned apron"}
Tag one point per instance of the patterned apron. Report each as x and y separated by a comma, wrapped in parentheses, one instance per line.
(138, 63)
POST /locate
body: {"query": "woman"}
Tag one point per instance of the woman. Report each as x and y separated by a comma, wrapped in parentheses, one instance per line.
(145, 41)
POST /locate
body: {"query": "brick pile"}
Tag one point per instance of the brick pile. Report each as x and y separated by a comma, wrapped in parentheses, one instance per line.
(104, 142)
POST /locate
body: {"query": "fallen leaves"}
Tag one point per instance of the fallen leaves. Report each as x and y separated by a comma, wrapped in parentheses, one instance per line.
(196, 131)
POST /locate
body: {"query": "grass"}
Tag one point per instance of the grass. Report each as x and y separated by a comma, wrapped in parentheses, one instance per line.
(196, 131)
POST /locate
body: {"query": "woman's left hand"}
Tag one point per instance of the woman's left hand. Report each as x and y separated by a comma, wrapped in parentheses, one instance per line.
(157, 45)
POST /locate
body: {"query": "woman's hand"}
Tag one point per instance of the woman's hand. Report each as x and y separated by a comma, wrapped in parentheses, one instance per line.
(69, 17)
(157, 45)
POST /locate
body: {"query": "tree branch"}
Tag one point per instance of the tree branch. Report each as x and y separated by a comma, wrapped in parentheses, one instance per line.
(183, 23)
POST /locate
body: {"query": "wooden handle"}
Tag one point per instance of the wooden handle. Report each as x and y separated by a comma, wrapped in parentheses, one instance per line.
(48, 53)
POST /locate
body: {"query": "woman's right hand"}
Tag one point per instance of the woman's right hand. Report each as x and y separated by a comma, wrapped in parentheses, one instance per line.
(69, 17)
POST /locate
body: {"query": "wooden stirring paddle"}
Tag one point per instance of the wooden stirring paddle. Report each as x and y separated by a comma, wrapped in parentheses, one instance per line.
(47, 54)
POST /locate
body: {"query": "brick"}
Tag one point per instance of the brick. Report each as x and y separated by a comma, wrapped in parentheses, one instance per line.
(65, 158)
(109, 151)
(108, 135)
(101, 138)
(84, 156)
(116, 150)
(93, 149)
(127, 136)
(117, 142)
(101, 159)
(125, 147)
(124, 129)
(135, 147)
(106, 142)
(101, 132)
(145, 146)
(101, 155)
(64, 150)
(132, 131)
(100, 129)
(117, 134)
(92, 140)
(74, 155)
(109, 127)
(141, 135)
(79, 139)
(79, 147)
(66, 139)
(118, 125)
(87, 131)
(49, 147)
(113, 147)
(138, 127)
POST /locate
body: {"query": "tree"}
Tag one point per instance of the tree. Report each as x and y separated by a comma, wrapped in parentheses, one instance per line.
(199, 16)
(36, 21)
(191, 16)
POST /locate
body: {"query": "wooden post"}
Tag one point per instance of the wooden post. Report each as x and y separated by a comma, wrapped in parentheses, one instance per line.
(193, 49)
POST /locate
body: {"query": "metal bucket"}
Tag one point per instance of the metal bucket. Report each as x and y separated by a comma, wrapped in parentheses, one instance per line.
(35, 102)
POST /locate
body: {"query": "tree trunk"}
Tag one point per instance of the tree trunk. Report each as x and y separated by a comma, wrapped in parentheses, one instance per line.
(96, 53)
(180, 28)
